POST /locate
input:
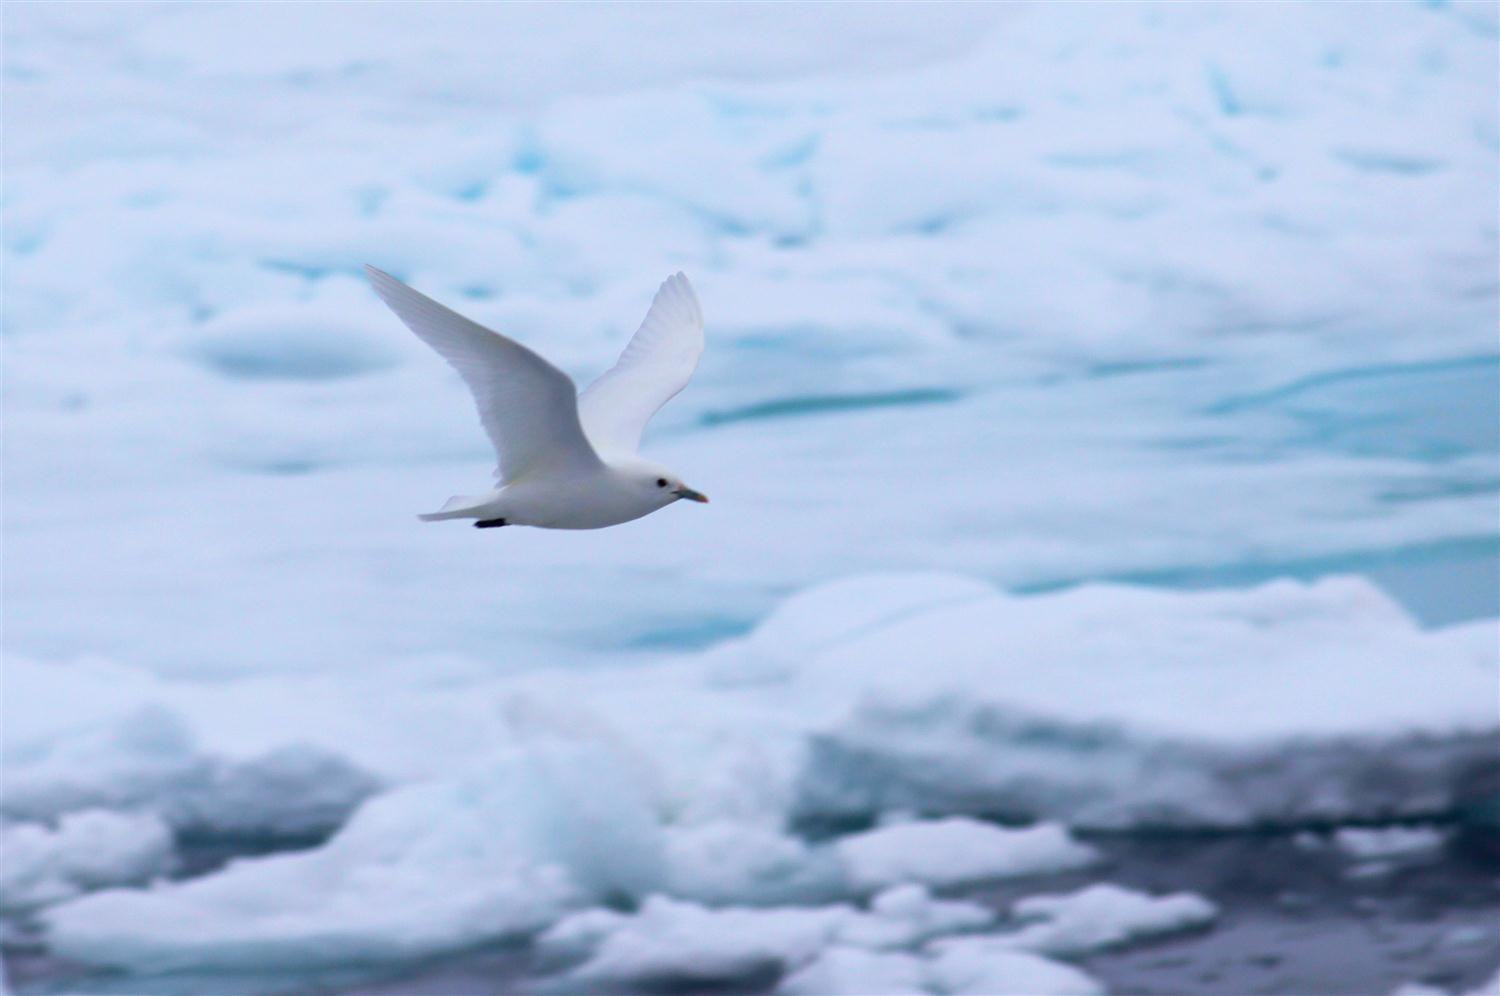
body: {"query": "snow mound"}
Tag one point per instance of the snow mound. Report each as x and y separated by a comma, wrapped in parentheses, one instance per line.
(906, 915)
(89, 849)
(93, 736)
(959, 966)
(292, 342)
(676, 943)
(500, 852)
(848, 971)
(723, 861)
(1377, 843)
(957, 850)
(815, 619)
(1489, 987)
(668, 943)
(983, 966)
(1100, 705)
(1103, 916)
(1105, 706)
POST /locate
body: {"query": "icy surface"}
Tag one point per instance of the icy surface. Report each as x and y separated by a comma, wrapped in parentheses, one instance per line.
(1049, 707)
(978, 966)
(968, 966)
(680, 777)
(849, 971)
(430, 867)
(1366, 844)
(824, 950)
(1104, 915)
(1017, 316)
(671, 942)
(1487, 988)
(957, 850)
(981, 296)
(88, 849)
(726, 860)
(92, 734)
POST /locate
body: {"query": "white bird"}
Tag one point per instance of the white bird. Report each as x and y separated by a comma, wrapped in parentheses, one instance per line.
(567, 461)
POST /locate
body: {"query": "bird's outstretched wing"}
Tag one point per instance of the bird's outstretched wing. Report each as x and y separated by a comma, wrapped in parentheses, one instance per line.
(657, 363)
(528, 406)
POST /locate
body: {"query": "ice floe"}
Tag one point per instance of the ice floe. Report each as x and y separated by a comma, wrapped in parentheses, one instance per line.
(425, 868)
(957, 850)
(1374, 844)
(996, 308)
(828, 949)
(87, 849)
(1026, 707)
(1096, 706)
(93, 735)
(1104, 915)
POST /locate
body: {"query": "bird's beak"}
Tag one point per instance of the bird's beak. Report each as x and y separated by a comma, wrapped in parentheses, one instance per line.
(691, 495)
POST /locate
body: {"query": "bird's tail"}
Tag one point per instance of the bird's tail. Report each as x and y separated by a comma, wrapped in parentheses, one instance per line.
(460, 507)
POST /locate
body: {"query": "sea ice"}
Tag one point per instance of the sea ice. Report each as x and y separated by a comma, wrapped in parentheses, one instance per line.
(88, 849)
(957, 850)
(670, 942)
(1107, 706)
(90, 734)
(1240, 203)
(1377, 843)
(666, 778)
(676, 943)
(981, 966)
(957, 966)
(906, 915)
(1177, 310)
(849, 971)
(1104, 915)
(724, 861)
(502, 851)
(1490, 987)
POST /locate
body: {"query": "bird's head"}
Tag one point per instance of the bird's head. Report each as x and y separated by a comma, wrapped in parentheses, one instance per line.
(658, 481)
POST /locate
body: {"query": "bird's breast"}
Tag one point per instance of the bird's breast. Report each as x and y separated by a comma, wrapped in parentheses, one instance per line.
(576, 503)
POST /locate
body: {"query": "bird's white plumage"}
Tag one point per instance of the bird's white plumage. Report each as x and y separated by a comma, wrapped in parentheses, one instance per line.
(528, 407)
(566, 461)
(656, 364)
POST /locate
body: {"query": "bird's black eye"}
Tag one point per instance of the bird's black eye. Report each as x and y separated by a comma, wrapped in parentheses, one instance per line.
(661, 482)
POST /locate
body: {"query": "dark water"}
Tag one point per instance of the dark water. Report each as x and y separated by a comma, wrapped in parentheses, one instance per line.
(1309, 920)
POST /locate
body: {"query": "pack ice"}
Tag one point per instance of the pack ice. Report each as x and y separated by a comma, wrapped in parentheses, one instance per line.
(684, 778)
(1007, 323)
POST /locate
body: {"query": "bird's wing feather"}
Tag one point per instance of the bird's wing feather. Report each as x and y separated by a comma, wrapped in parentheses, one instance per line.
(528, 407)
(656, 364)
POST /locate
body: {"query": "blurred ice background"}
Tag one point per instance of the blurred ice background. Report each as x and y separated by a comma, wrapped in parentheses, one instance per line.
(1102, 417)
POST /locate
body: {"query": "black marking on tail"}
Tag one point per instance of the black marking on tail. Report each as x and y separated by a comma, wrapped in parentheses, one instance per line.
(489, 523)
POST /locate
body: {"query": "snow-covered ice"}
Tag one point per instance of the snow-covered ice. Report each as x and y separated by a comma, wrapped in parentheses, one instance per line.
(1374, 844)
(88, 849)
(966, 966)
(957, 850)
(1487, 988)
(667, 778)
(1104, 915)
(86, 734)
(669, 942)
(1100, 410)
(1029, 707)
(976, 966)
(847, 971)
(430, 867)
(1209, 265)
(825, 950)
